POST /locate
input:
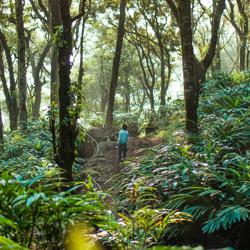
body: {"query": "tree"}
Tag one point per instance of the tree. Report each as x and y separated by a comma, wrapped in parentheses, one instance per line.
(116, 63)
(11, 91)
(55, 22)
(164, 41)
(241, 27)
(37, 62)
(21, 77)
(1, 128)
(143, 46)
(64, 142)
(194, 71)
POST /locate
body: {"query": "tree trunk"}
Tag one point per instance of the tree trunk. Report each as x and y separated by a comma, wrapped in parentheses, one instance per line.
(190, 90)
(36, 73)
(104, 100)
(37, 102)
(163, 76)
(21, 78)
(1, 128)
(55, 22)
(243, 49)
(116, 63)
(127, 92)
(151, 100)
(248, 60)
(10, 93)
(66, 147)
(216, 65)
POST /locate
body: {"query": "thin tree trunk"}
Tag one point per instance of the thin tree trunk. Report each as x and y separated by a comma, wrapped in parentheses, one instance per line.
(1, 128)
(81, 68)
(116, 63)
(190, 90)
(127, 92)
(55, 22)
(66, 147)
(21, 78)
(12, 91)
(163, 77)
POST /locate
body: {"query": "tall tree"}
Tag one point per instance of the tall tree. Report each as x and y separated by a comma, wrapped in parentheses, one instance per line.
(116, 63)
(21, 77)
(194, 71)
(64, 145)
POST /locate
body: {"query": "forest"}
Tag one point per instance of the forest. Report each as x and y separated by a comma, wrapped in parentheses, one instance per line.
(124, 124)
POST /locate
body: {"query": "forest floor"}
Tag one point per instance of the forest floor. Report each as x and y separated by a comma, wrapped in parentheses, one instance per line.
(108, 166)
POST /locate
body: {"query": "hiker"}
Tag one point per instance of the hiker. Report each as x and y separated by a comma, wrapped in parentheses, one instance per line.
(122, 142)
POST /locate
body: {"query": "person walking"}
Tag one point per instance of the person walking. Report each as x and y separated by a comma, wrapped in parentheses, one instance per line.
(122, 142)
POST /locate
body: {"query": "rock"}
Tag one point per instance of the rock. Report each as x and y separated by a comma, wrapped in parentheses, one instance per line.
(87, 149)
(100, 134)
(105, 147)
(133, 129)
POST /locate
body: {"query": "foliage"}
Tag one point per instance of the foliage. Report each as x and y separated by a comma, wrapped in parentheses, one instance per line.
(41, 215)
(27, 154)
(33, 209)
(146, 227)
(209, 179)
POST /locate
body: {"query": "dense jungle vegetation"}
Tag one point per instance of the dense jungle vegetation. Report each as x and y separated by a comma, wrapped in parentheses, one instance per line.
(73, 73)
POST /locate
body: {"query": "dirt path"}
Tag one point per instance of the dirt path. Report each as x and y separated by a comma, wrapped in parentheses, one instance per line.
(104, 168)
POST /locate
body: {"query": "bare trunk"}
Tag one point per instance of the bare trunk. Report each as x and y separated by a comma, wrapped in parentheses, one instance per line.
(190, 90)
(21, 78)
(104, 101)
(37, 101)
(116, 64)
(11, 92)
(248, 59)
(66, 147)
(1, 128)
(216, 65)
(163, 77)
(55, 22)
(243, 49)
(127, 92)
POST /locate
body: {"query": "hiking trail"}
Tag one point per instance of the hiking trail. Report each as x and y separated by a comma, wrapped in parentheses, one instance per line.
(103, 168)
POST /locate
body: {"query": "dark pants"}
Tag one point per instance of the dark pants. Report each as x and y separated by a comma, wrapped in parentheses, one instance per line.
(122, 151)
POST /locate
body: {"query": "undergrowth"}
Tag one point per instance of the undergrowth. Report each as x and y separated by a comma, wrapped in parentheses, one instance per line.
(209, 180)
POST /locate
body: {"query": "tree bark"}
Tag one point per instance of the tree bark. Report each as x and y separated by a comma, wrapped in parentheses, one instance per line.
(55, 22)
(67, 123)
(21, 78)
(116, 64)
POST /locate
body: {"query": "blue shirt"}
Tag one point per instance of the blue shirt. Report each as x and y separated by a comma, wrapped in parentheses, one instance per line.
(123, 137)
